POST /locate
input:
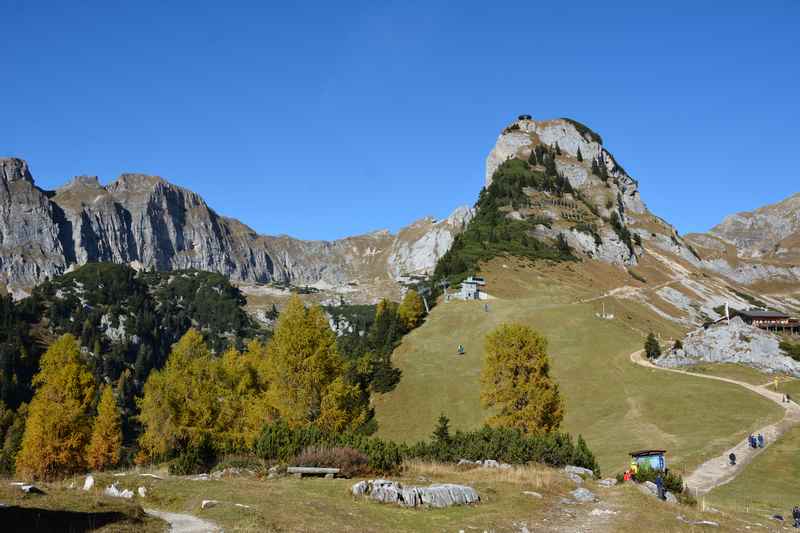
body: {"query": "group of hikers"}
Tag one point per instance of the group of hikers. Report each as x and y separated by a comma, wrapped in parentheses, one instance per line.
(756, 441)
(659, 481)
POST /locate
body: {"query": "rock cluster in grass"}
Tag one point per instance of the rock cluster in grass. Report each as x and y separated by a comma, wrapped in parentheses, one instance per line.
(486, 463)
(114, 491)
(736, 342)
(443, 495)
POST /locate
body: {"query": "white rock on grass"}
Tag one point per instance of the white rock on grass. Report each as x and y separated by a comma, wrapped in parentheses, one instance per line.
(114, 491)
(206, 504)
(532, 494)
(88, 483)
(579, 470)
(608, 482)
(583, 495)
(575, 478)
(142, 492)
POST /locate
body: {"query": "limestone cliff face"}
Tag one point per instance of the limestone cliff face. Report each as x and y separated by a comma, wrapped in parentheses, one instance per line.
(148, 222)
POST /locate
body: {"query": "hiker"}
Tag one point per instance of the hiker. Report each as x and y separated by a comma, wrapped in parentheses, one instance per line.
(760, 440)
(486, 307)
(460, 349)
(796, 517)
(660, 487)
(732, 458)
(753, 442)
(634, 468)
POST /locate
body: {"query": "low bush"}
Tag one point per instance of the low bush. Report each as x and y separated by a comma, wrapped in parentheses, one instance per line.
(791, 349)
(279, 442)
(672, 482)
(349, 461)
(193, 460)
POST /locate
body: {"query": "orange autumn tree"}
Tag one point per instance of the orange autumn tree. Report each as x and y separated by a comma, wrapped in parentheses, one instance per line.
(59, 422)
(516, 381)
(104, 448)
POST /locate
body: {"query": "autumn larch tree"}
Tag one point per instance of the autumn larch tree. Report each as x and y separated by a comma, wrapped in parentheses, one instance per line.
(516, 382)
(59, 422)
(104, 448)
(411, 310)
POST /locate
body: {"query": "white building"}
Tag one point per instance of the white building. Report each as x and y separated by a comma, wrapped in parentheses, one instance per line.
(471, 289)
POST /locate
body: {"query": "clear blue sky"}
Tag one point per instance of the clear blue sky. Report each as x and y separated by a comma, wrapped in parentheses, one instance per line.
(322, 120)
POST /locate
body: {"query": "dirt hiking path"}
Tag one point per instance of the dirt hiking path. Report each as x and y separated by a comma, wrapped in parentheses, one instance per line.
(184, 523)
(718, 471)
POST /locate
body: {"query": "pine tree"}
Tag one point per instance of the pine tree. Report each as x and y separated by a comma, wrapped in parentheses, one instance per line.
(104, 448)
(58, 427)
(411, 310)
(651, 347)
(532, 159)
(579, 155)
(516, 382)
(441, 435)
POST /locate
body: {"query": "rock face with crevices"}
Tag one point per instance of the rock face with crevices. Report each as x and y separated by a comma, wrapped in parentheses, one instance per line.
(146, 222)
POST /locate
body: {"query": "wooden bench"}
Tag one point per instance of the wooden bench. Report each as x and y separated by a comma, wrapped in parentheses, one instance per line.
(300, 471)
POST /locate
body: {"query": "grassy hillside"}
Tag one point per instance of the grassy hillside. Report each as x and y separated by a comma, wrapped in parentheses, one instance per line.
(617, 406)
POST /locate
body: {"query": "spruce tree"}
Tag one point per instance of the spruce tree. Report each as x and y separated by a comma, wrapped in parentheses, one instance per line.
(104, 448)
(651, 347)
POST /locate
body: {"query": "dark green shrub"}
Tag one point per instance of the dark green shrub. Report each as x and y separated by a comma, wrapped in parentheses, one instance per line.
(672, 482)
(194, 460)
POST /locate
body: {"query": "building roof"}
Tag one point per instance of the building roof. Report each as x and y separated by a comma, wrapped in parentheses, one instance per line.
(759, 313)
(641, 453)
(474, 281)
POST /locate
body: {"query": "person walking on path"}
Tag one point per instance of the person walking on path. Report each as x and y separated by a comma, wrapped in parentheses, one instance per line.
(760, 440)
(732, 458)
(796, 517)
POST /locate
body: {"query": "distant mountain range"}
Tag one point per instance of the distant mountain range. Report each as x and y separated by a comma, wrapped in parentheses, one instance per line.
(147, 222)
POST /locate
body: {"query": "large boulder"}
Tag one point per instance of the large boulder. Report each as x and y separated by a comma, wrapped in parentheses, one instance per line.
(441, 495)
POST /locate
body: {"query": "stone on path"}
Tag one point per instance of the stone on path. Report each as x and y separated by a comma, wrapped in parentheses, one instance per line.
(88, 483)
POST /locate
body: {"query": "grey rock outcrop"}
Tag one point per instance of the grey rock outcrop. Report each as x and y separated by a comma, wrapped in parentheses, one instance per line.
(736, 342)
(441, 495)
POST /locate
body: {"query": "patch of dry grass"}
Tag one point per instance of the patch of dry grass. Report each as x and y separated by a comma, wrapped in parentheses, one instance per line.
(533, 476)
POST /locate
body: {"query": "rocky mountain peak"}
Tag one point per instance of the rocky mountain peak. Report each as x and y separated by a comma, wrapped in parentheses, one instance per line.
(13, 169)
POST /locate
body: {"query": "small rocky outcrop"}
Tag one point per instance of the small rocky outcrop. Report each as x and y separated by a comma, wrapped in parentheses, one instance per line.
(441, 495)
(114, 491)
(736, 342)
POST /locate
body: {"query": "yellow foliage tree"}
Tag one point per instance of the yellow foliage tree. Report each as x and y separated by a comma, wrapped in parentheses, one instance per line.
(198, 396)
(104, 448)
(343, 408)
(58, 427)
(302, 367)
(516, 382)
(411, 310)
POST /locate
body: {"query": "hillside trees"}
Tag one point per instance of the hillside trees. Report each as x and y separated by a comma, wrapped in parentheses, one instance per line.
(58, 426)
(106, 443)
(516, 382)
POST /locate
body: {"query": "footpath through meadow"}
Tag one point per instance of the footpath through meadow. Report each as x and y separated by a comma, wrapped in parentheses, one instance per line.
(718, 470)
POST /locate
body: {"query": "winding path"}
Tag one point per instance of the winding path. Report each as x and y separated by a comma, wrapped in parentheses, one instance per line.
(717, 471)
(184, 523)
